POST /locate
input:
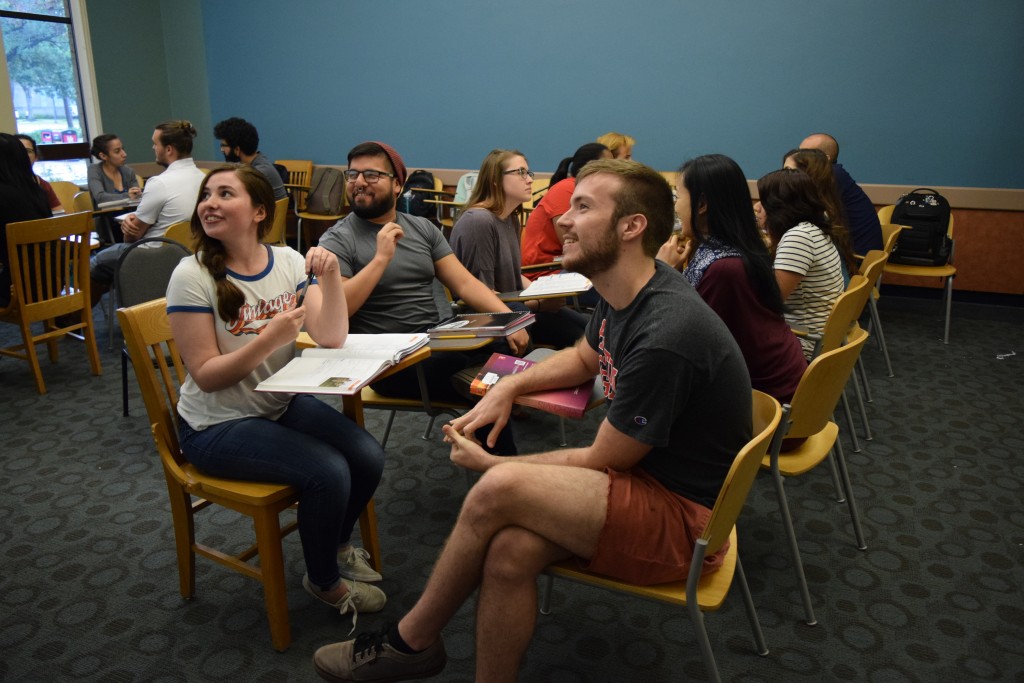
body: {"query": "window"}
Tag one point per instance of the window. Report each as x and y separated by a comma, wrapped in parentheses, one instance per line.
(46, 89)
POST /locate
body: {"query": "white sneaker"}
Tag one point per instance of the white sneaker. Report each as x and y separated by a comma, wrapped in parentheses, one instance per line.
(354, 564)
(361, 597)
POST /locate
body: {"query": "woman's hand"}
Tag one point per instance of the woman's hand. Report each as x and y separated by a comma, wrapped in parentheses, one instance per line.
(321, 262)
(284, 327)
(676, 251)
(134, 192)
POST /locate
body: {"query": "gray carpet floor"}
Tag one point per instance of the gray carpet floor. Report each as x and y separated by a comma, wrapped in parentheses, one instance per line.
(89, 587)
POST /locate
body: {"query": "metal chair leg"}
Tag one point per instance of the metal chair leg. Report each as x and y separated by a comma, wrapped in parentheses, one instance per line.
(841, 461)
(949, 308)
(545, 605)
(748, 603)
(876, 321)
(794, 549)
(849, 421)
(860, 406)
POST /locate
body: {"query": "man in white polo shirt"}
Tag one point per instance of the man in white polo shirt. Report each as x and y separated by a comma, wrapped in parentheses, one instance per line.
(168, 198)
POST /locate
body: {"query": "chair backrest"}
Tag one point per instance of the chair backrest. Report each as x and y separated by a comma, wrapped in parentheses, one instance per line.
(767, 414)
(819, 389)
(181, 232)
(49, 264)
(890, 235)
(65, 192)
(144, 269)
(300, 174)
(82, 201)
(846, 310)
(158, 366)
(872, 264)
(277, 229)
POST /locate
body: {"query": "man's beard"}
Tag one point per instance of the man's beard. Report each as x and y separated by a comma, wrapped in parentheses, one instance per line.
(597, 259)
(232, 158)
(376, 209)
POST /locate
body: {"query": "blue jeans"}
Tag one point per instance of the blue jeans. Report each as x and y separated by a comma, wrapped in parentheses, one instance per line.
(335, 464)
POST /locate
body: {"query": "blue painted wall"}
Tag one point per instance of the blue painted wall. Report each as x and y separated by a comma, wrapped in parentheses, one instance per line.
(924, 92)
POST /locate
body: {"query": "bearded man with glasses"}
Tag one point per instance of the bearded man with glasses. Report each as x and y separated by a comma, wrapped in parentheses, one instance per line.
(389, 261)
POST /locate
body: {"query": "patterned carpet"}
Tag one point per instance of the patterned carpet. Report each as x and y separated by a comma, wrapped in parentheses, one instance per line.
(89, 588)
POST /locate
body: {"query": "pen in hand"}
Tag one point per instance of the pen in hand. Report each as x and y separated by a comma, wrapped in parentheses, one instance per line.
(302, 294)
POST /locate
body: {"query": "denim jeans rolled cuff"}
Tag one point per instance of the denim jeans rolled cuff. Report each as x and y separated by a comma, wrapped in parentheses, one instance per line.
(333, 462)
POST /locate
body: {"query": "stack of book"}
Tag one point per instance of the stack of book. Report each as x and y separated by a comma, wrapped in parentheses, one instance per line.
(569, 402)
(469, 325)
(345, 370)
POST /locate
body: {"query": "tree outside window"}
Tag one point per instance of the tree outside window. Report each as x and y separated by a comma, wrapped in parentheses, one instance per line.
(45, 86)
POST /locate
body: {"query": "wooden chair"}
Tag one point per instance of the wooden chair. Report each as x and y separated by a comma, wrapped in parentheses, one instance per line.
(65, 192)
(277, 229)
(181, 232)
(945, 273)
(300, 177)
(809, 415)
(160, 371)
(705, 593)
(841, 320)
(49, 264)
(82, 201)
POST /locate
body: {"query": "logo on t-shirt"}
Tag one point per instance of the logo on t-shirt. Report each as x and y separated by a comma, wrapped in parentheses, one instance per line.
(640, 420)
(606, 364)
(252, 318)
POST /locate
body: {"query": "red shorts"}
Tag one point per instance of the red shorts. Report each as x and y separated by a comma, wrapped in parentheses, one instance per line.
(649, 532)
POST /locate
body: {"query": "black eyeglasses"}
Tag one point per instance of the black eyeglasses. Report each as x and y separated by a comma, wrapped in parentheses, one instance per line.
(369, 176)
(521, 172)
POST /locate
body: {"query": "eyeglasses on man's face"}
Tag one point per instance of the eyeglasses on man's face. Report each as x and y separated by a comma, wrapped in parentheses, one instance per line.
(369, 175)
(521, 172)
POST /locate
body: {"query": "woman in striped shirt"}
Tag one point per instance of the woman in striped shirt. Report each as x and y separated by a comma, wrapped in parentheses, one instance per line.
(808, 266)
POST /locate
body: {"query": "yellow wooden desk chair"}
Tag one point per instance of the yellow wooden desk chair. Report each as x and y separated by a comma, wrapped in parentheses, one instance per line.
(49, 264)
(698, 593)
(159, 370)
(841, 321)
(82, 201)
(871, 268)
(277, 228)
(65, 192)
(809, 415)
(945, 273)
(181, 232)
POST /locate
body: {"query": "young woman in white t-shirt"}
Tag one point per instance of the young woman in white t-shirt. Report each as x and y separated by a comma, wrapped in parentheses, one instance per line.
(235, 313)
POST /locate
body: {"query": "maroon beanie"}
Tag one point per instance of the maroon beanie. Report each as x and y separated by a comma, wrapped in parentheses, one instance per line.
(396, 160)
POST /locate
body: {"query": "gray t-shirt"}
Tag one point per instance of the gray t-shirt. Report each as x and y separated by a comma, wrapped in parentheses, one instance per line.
(403, 299)
(489, 248)
(266, 167)
(674, 379)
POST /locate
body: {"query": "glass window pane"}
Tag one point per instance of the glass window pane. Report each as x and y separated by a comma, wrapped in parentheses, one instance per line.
(51, 8)
(44, 79)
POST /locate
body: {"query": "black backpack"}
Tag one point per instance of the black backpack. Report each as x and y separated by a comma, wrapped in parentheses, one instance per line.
(413, 202)
(924, 240)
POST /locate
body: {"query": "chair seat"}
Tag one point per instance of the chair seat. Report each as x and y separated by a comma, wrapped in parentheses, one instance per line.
(711, 590)
(247, 492)
(920, 271)
(319, 216)
(808, 456)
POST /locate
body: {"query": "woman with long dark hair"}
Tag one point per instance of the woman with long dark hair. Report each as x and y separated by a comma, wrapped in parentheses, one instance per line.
(818, 168)
(808, 267)
(542, 238)
(235, 311)
(731, 268)
(21, 199)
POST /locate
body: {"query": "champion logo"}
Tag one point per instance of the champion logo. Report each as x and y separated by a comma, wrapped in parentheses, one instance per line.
(640, 420)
